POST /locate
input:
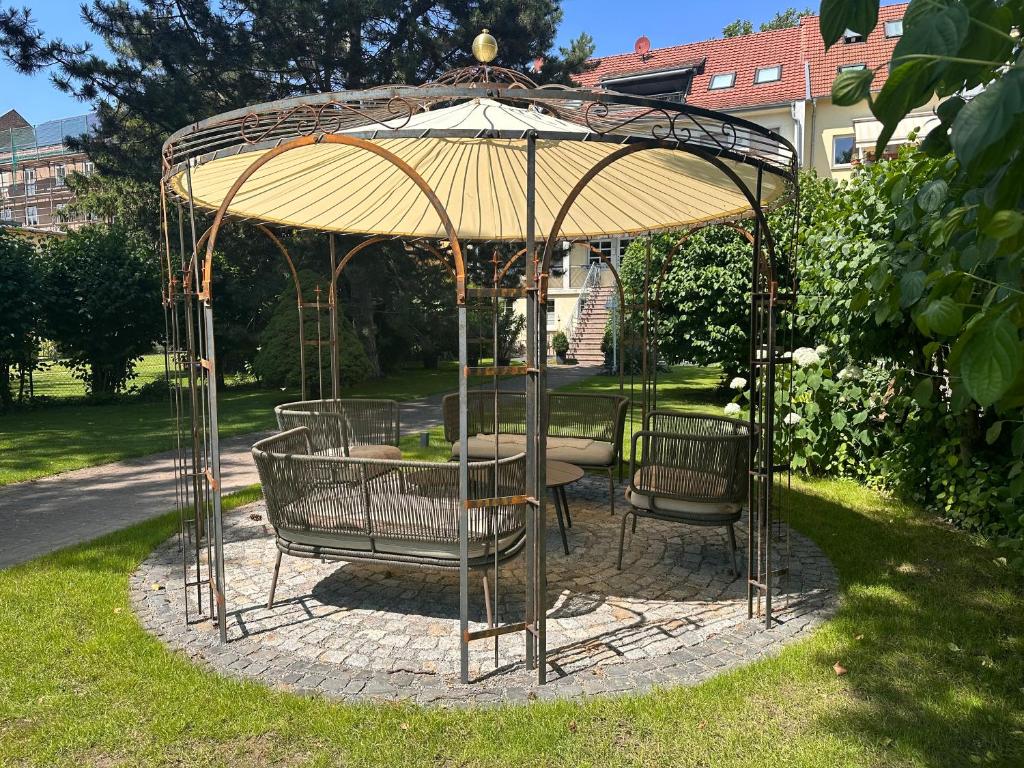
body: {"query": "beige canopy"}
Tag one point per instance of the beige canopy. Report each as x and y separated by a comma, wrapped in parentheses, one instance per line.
(481, 181)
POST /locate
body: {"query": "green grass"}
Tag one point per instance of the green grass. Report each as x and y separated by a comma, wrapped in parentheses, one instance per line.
(44, 441)
(53, 380)
(930, 627)
(930, 630)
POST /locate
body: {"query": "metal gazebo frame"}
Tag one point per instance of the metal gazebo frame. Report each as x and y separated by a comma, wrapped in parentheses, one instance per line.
(359, 119)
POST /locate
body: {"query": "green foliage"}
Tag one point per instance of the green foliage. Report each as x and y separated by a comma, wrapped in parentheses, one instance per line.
(781, 20)
(560, 344)
(101, 302)
(511, 326)
(19, 297)
(277, 360)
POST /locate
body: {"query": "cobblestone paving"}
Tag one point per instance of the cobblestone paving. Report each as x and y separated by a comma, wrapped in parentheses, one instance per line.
(374, 631)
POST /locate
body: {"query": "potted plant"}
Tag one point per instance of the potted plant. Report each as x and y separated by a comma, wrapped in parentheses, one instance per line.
(560, 344)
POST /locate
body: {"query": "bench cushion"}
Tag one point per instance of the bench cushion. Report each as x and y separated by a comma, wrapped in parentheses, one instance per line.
(580, 451)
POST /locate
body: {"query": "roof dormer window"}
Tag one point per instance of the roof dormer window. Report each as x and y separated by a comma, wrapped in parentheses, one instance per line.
(851, 67)
(894, 28)
(768, 74)
(849, 36)
(722, 81)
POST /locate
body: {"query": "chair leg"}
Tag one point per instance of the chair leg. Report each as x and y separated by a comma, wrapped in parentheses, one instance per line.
(611, 489)
(273, 581)
(732, 551)
(487, 601)
(565, 506)
(633, 529)
(622, 536)
(561, 521)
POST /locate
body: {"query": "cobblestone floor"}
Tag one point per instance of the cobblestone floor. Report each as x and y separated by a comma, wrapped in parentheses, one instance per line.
(367, 631)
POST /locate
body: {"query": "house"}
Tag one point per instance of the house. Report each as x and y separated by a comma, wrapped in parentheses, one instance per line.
(35, 162)
(780, 79)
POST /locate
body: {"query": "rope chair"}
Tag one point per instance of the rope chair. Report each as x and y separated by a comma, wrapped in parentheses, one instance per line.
(693, 471)
(357, 427)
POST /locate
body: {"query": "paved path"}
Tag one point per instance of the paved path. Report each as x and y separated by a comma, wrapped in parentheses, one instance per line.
(45, 515)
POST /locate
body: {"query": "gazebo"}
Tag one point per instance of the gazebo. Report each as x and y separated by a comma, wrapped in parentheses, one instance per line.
(482, 155)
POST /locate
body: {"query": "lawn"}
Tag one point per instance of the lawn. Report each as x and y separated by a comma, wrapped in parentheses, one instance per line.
(44, 441)
(930, 629)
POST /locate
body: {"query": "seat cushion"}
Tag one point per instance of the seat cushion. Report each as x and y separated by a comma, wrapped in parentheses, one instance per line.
(375, 452)
(581, 451)
(654, 480)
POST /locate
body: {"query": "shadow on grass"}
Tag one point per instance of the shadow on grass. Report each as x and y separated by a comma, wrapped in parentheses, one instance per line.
(930, 630)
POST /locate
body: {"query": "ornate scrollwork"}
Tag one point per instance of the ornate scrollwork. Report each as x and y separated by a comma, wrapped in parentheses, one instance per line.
(329, 117)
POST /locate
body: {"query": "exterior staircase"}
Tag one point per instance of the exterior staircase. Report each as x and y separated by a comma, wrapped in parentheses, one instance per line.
(588, 328)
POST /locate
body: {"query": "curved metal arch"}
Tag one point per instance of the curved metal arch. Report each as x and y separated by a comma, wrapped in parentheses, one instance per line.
(369, 146)
(677, 246)
(356, 249)
(629, 149)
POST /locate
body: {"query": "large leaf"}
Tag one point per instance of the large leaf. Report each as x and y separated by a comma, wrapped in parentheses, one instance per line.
(986, 119)
(852, 87)
(941, 317)
(837, 16)
(932, 28)
(932, 194)
(989, 365)
(1004, 224)
(911, 287)
(909, 86)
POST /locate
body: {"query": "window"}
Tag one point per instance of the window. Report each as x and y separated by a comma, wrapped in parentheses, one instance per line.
(599, 249)
(842, 150)
(672, 85)
(60, 173)
(724, 80)
(7, 214)
(852, 67)
(30, 181)
(552, 319)
(3, 185)
(849, 36)
(88, 168)
(768, 74)
(624, 244)
(894, 28)
(31, 216)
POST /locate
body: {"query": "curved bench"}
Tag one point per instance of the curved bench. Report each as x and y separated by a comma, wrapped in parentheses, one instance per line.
(356, 427)
(583, 429)
(343, 508)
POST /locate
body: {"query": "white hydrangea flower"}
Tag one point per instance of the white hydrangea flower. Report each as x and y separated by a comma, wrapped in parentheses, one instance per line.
(852, 373)
(732, 409)
(805, 356)
(821, 349)
(738, 383)
(792, 419)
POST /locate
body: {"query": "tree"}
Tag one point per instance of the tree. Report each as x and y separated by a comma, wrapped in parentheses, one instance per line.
(738, 28)
(19, 297)
(100, 287)
(781, 20)
(178, 62)
(277, 362)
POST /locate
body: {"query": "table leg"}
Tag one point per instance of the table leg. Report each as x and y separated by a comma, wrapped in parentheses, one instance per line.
(565, 506)
(561, 522)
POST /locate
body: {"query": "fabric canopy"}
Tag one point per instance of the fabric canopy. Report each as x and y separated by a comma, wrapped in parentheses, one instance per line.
(480, 181)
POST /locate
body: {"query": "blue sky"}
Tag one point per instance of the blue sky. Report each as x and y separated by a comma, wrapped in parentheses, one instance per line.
(614, 25)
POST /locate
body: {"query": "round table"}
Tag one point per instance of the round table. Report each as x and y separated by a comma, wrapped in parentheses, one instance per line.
(557, 475)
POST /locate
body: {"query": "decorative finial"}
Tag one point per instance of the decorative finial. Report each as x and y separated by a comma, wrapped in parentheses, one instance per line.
(485, 47)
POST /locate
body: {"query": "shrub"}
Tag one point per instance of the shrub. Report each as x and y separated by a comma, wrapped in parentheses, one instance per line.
(101, 303)
(19, 298)
(277, 360)
(560, 344)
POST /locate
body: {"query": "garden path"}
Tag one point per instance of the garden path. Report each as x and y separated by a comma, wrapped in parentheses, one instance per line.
(42, 516)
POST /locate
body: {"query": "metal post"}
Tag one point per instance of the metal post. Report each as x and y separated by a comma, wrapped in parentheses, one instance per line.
(532, 364)
(332, 303)
(463, 494)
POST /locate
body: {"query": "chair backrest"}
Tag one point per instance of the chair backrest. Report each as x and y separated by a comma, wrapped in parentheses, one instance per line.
(691, 458)
(337, 425)
(405, 500)
(596, 417)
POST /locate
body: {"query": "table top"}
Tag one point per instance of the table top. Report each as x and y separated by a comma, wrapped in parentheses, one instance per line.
(561, 473)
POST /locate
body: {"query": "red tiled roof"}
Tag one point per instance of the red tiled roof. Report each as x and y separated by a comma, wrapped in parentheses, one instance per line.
(744, 55)
(874, 51)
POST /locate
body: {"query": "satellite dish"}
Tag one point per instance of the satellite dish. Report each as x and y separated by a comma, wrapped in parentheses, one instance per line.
(643, 45)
